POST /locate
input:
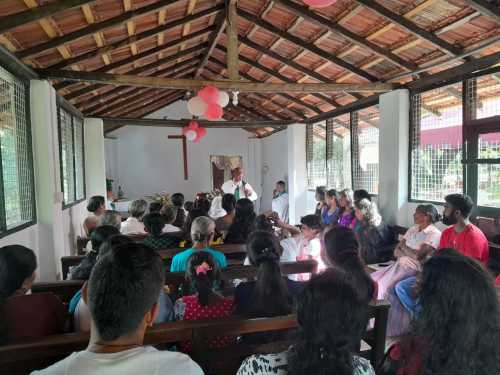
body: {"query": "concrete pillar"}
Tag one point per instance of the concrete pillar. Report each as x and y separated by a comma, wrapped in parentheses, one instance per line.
(393, 150)
(95, 168)
(297, 173)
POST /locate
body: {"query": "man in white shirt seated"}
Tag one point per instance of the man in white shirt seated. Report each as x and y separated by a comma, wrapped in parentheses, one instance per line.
(280, 201)
(134, 225)
(239, 187)
(122, 295)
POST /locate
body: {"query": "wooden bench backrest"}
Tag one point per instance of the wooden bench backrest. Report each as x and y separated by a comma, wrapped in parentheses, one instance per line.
(234, 251)
(28, 355)
(66, 289)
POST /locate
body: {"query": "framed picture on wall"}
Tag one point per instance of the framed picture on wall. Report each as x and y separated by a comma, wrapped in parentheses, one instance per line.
(221, 167)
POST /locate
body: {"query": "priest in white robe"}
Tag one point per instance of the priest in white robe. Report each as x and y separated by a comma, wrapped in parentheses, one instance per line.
(280, 201)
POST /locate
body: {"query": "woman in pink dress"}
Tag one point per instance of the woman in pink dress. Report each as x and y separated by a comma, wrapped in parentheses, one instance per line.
(415, 245)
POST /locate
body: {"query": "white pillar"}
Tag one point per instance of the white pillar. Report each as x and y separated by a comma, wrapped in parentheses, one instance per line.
(95, 167)
(47, 180)
(297, 174)
(393, 162)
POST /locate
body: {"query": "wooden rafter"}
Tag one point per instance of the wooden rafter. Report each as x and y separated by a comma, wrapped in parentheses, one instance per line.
(220, 22)
(349, 35)
(166, 123)
(94, 28)
(486, 8)
(232, 40)
(10, 22)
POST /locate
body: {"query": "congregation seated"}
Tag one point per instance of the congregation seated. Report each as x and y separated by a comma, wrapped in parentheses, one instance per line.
(154, 207)
(264, 222)
(416, 244)
(177, 200)
(96, 206)
(303, 244)
(242, 225)
(22, 314)
(456, 330)
(371, 231)
(223, 223)
(320, 197)
(134, 224)
(169, 216)
(186, 230)
(346, 212)
(361, 194)
(122, 295)
(202, 234)
(253, 298)
(330, 210)
(341, 251)
(156, 239)
(201, 202)
(202, 275)
(111, 218)
(216, 211)
(332, 319)
(97, 238)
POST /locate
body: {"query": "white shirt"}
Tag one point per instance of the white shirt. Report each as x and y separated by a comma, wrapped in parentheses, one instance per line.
(142, 360)
(229, 187)
(298, 248)
(169, 228)
(132, 226)
(280, 206)
(415, 237)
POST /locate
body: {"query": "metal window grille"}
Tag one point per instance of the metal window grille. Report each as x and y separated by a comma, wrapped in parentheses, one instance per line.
(483, 96)
(338, 152)
(17, 198)
(436, 143)
(488, 175)
(365, 148)
(79, 159)
(316, 154)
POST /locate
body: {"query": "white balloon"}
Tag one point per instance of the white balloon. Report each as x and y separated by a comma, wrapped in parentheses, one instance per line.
(191, 135)
(223, 99)
(196, 106)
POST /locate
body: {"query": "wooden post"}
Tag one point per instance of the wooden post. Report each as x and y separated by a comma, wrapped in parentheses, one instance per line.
(232, 41)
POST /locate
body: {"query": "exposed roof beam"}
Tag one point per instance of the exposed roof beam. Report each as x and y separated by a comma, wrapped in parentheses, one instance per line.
(12, 21)
(486, 8)
(349, 35)
(232, 40)
(411, 27)
(137, 38)
(148, 104)
(307, 46)
(109, 121)
(13, 64)
(193, 84)
(94, 28)
(214, 38)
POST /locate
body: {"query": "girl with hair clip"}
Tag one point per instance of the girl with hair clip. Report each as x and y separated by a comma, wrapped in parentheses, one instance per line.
(203, 275)
(270, 294)
(332, 319)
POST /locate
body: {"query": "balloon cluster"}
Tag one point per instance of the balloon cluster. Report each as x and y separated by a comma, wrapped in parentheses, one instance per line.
(208, 103)
(319, 3)
(193, 132)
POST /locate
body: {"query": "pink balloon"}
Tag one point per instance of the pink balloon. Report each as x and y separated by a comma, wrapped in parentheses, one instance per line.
(319, 3)
(193, 125)
(213, 112)
(210, 94)
(191, 135)
(201, 132)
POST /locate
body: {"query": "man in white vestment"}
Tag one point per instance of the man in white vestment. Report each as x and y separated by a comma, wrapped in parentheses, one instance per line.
(280, 201)
(239, 187)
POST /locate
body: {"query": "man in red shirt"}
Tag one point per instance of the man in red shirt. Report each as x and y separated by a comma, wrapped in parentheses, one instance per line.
(462, 235)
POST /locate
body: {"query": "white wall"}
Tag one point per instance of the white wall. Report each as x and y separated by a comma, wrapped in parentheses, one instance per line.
(144, 161)
(274, 166)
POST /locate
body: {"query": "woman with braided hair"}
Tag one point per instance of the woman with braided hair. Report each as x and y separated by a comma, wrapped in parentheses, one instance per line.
(270, 294)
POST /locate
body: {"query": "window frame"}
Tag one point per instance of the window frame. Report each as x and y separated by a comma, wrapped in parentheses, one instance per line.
(74, 113)
(468, 127)
(29, 139)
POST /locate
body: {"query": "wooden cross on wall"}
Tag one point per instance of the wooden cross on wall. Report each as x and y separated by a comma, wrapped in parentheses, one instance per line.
(184, 152)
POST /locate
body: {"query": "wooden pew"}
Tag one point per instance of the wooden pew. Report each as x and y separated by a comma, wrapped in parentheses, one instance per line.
(81, 242)
(234, 252)
(23, 357)
(66, 289)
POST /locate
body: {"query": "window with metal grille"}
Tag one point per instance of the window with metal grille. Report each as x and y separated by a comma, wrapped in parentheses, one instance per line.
(17, 194)
(483, 95)
(338, 152)
(72, 157)
(365, 151)
(316, 154)
(436, 143)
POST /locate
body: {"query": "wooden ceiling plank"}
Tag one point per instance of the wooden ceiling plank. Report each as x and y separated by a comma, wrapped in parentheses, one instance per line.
(96, 27)
(213, 40)
(12, 21)
(486, 8)
(349, 35)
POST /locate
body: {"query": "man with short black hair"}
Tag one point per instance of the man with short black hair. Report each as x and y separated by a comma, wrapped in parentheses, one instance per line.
(280, 201)
(122, 296)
